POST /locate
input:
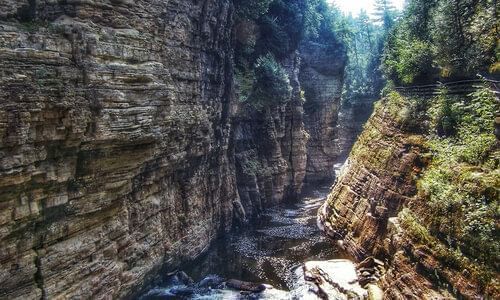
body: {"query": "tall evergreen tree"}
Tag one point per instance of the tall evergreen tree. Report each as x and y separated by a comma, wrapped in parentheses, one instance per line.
(385, 13)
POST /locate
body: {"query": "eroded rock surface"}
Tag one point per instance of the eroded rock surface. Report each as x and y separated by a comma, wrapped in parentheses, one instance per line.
(270, 149)
(333, 279)
(362, 213)
(322, 79)
(122, 148)
(114, 141)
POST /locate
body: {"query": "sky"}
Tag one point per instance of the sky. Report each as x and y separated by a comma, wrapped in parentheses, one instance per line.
(354, 6)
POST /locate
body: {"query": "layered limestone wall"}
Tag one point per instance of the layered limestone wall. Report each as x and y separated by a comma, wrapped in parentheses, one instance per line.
(322, 79)
(270, 149)
(114, 141)
(363, 211)
(122, 148)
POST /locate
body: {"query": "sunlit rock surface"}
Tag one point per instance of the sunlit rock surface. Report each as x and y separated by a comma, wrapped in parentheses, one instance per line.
(361, 212)
(333, 279)
(322, 79)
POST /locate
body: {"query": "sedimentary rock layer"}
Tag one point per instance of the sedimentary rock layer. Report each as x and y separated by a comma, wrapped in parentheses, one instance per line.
(322, 79)
(270, 149)
(114, 141)
(363, 211)
(122, 148)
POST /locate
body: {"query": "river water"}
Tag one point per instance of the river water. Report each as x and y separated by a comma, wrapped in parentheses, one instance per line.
(270, 250)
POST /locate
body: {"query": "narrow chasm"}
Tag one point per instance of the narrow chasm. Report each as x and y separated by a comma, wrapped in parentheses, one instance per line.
(249, 149)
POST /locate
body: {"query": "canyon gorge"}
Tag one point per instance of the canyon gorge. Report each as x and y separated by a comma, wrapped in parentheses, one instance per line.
(134, 136)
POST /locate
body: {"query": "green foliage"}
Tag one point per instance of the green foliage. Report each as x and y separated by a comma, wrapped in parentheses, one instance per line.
(267, 33)
(462, 182)
(271, 85)
(273, 38)
(410, 59)
(455, 30)
(385, 13)
(449, 257)
(414, 115)
(251, 9)
(460, 187)
(244, 82)
(250, 164)
(286, 24)
(440, 38)
(365, 39)
(327, 32)
(446, 112)
(278, 27)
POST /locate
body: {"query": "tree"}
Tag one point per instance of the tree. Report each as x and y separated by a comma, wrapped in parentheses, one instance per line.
(385, 13)
(451, 39)
(365, 39)
(251, 9)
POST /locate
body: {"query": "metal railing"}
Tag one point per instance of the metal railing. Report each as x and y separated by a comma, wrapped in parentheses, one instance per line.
(462, 87)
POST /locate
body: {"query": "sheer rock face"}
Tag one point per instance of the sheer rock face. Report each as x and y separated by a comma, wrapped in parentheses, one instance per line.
(121, 148)
(114, 141)
(270, 149)
(322, 78)
(351, 119)
(362, 210)
(279, 148)
(376, 181)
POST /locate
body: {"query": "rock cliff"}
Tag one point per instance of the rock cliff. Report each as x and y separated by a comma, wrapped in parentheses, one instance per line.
(367, 212)
(122, 148)
(270, 149)
(322, 78)
(115, 150)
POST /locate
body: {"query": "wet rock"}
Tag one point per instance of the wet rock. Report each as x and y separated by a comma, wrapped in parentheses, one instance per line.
(159, 294)
(184, 278)
(182, 291)
(211, 281)
(333, 279)
(374, 292)
(245, 286)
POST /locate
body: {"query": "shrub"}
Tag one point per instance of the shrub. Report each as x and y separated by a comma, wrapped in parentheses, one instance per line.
(446, 113)
(244, 82)
(461, 182)
(409, 60)
(271, 85)
(251, 9)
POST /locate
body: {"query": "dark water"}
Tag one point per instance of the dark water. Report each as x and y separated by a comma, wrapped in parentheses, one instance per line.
(270, 249)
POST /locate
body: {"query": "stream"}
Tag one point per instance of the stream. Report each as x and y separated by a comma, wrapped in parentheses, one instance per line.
(269, 251)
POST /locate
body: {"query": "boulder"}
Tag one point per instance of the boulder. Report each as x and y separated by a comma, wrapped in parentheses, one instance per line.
(332, 279)
(245, 286)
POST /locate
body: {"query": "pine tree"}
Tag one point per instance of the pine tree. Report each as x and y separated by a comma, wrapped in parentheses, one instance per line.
(366, 28)
(385, 13)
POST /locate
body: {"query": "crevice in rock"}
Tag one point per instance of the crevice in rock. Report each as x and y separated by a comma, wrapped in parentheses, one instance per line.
(27, 13)
(38, 276)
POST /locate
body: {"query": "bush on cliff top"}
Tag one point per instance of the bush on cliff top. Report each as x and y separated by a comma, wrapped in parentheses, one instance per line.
(463, 179)
(271, 84)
